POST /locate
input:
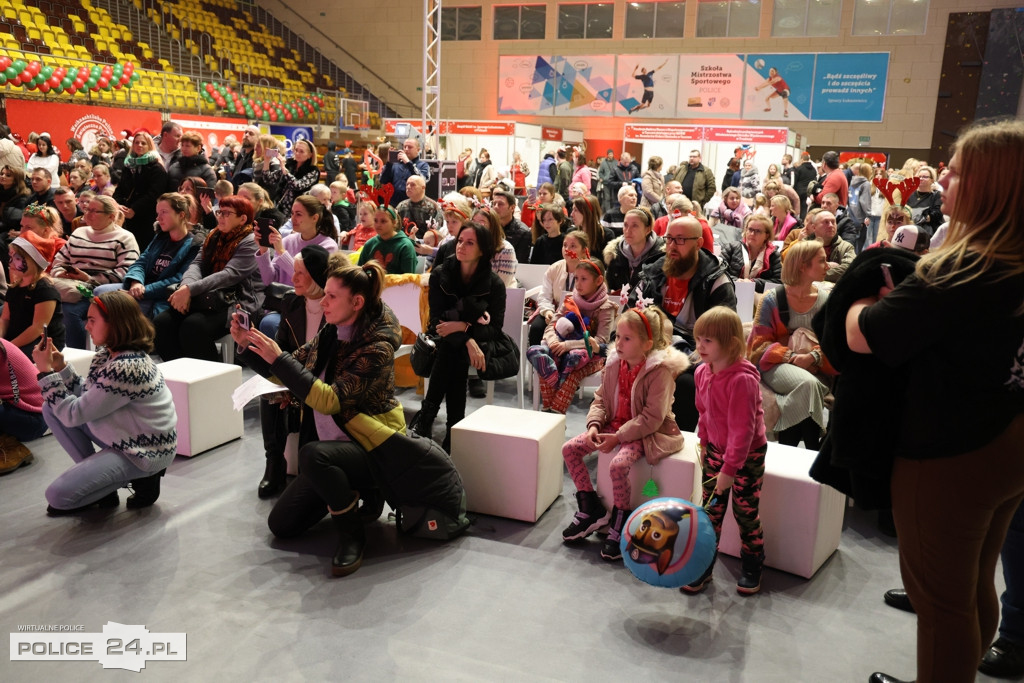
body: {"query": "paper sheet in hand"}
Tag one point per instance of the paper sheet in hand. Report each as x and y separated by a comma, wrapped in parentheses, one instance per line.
(254, 387)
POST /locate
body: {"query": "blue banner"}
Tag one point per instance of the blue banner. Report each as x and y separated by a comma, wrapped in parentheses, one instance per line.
(291, 135)
(850, 87)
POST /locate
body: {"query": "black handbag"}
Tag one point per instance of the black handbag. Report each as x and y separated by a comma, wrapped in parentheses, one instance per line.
(214, 301)
(502, 358)
(423, 352)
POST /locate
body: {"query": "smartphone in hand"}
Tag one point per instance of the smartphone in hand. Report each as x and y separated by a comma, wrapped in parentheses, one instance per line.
(272, 153)
(887, 274)
(242, 318)
(263, 227)
(44, 341)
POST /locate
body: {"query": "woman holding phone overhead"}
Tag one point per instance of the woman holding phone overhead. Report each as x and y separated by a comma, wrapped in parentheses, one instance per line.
(312, 224)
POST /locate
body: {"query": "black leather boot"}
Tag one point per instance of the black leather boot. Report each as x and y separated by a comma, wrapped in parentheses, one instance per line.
(275, 477)
(348, 556)
(611, 550)
(423, 421)
(750, 574)
(146, 491)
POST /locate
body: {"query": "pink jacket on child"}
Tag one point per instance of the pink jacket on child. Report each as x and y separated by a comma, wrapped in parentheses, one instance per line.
(729, 403)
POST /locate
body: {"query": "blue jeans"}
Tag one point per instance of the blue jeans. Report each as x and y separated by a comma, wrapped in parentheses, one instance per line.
(1012, 625)
(269, 324)
(94, 474)
(21, 424)
(871, 230)
(145, 304)
(74, 323)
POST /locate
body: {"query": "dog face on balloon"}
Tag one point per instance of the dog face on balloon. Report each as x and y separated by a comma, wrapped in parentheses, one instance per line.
(654, 539)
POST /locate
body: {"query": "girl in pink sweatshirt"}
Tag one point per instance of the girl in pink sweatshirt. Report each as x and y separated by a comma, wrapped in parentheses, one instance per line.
(731, 433)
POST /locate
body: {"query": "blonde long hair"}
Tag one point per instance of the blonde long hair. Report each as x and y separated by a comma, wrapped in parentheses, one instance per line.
(988, 215)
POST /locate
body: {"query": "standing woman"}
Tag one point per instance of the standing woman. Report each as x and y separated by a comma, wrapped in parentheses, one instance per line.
(122, 406)
(291, 183)
(152, 278)
(467, 307)
(143, 180)
(347, 369)
(977, 279)
(926, 203)
(45, 157)
(227, 263)
(549, 228)
(312, 224)
(652, 183)
(581, 174)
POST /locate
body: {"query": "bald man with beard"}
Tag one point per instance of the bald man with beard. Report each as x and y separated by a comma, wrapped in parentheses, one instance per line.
(687, 281)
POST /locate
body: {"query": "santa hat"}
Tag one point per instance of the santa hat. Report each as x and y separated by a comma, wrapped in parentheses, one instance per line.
(39, 249)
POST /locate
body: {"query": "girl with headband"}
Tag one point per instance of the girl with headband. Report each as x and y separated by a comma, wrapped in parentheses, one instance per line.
(632, 415)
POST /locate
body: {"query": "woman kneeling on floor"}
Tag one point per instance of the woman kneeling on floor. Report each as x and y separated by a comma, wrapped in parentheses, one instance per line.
(347, 369)
(122, 405)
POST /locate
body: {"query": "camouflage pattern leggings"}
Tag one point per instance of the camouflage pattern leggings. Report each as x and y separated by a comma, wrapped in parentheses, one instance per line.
(577, 448)
(746, 494)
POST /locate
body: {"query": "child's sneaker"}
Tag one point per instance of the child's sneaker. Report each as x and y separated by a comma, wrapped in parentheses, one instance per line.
(544, 364)
(591, 517)
(611, 550)
(750, 576)
(700, 584)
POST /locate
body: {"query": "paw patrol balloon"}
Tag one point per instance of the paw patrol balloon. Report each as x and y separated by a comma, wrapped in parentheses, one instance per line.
(668, 542)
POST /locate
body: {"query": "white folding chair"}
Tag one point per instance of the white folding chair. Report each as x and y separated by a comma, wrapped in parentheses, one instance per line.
(745, 300)
(404, 300)
(530, 275)
(513, 326)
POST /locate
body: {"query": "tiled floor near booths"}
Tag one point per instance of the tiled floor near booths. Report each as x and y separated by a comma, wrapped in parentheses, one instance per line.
(506, 602)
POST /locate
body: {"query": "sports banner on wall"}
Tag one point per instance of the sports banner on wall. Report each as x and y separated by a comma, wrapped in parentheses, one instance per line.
(850, 87)
(645, 86)
(710, 86)
(778, 87)
(760, 87)
(526, 86)
(584, 85)
(84, 122)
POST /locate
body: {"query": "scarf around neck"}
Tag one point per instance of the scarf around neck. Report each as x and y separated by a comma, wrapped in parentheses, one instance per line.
(220, 247)
(132, 161)
(596, 300)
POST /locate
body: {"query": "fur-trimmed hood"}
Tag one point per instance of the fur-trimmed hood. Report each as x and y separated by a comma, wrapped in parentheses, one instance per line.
(675, 361)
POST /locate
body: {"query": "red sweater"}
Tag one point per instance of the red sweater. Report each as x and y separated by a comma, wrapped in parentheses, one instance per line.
(28, 396)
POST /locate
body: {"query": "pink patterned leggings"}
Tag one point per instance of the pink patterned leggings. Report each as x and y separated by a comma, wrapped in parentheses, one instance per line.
(577, 448)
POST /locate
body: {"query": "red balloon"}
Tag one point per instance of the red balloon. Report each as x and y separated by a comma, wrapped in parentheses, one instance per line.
(34, 67)
(95, 87)
(125, 78)
(129, 68)
(16, 81)
(5, 62)
(273, 116)
(103, 81)
(44, 87)
(79, 82)
(53, 82)
(287, 116)
(209, 87)
(83, 73)
(107, 71)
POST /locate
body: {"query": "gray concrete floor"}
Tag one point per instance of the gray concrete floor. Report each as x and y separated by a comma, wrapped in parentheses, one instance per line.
(506, 602)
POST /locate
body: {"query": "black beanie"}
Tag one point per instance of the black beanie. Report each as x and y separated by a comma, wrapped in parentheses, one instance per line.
(314, 257)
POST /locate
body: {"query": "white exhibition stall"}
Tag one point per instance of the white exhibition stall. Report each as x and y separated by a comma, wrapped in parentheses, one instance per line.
(716, 143)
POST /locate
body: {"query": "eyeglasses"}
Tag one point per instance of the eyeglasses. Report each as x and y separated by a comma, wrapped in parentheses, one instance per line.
(221, 213)
(754, 231)
(679, 240)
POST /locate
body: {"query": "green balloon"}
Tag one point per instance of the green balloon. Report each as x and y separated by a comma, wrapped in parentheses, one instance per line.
(266, 116)
(3, 77)
(46, 71)
(107, 86)
(91, 82)
(10, 72)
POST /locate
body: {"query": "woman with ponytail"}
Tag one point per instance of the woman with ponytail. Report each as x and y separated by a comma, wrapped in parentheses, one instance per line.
(345, 370)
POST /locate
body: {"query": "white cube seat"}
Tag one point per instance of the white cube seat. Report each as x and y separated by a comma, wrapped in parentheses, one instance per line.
(510, 461)
(79, 359)
(677, 476)
(802, 519)
(202, 397)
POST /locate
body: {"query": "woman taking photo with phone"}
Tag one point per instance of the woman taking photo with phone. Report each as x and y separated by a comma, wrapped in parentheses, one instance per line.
(152, 278)
(312, 224)
(122, 406)
(347, 369)
(290, 183)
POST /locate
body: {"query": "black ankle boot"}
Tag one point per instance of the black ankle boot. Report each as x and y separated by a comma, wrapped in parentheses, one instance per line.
(423, 421)
(610, 550)
(106, 502)
(351, 540)
(275, 477)
(750, 575)
(146, 491)
(702, 582)
(446, 444)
